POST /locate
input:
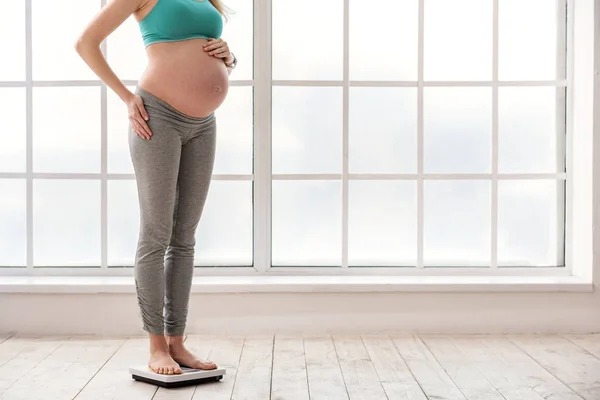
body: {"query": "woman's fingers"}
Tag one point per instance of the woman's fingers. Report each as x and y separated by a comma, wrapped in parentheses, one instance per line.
(143, 125)
(223, 54)
(138, 117)
(143, 111)
(217, 50)
(142, 116)
(213, 44)
(220, 52)
(135, 128)
(139, 130)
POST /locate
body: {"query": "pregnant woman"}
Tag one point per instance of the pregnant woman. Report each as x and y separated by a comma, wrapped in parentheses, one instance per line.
(172, 143)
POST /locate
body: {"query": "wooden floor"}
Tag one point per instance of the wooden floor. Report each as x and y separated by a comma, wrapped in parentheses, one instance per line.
(319, 368)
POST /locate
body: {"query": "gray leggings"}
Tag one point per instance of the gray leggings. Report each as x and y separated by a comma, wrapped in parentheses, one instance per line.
(173, 171)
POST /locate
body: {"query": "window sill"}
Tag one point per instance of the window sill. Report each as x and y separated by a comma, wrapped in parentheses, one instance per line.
(307, 284)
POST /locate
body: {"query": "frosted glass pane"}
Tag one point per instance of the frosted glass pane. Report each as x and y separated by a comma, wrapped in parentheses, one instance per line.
(66, 129)
(458, 40)
(123, 222)
(224, 235)
(119, 159)
(126, 52)
(528, 39)
(13, 223)
(392, 53)
(527, 125)
(528, 223)
(308, 39)
(382, 223)
(307, 223)
(457, 223)
(66, 223)
(383, 130)
(13, 129)
(307, 130)
(56, 25)
(239, 34)
(234, 133)
(12, 39)
(457, 130)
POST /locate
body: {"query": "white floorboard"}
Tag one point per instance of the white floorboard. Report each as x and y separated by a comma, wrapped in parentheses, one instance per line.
(19, 357)
(325, 380)
(64, 372)
(471, 382)
(504, 376)
(571, 364)
(289, 369)
(253, 380)
(432, 378)
(394, 375)
(532, 373)
(359, 373)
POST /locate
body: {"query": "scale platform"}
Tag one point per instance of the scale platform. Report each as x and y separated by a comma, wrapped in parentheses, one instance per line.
(188, 377)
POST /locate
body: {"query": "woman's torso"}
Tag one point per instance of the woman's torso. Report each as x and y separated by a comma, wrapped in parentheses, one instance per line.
(181, 73)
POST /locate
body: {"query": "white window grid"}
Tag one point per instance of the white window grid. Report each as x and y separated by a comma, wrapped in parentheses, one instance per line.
(262, 176)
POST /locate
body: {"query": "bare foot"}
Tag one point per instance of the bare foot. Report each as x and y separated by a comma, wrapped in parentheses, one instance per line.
(161, 362)
(185, 358)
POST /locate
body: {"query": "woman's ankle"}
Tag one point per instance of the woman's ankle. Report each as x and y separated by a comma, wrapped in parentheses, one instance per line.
(175, 341)
(158, 343)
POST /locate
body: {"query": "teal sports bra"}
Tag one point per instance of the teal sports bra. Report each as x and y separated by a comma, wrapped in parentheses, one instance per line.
(176, 20)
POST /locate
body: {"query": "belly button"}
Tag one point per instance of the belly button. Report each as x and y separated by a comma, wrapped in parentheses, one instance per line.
(217, 89)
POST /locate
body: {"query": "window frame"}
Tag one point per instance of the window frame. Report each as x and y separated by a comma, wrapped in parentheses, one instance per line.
(263, 178)
(263, 149)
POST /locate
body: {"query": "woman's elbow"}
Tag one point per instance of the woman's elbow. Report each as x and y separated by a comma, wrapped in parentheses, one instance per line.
(83, 43)
(80, 44)
(77, 45)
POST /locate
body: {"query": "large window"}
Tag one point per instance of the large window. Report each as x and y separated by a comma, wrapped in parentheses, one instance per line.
(407, 133)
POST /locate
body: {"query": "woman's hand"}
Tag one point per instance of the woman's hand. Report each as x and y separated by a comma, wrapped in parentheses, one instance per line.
(138, 116)
(218, 48)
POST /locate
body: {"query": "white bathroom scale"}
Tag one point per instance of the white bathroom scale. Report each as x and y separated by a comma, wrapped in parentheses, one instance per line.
(188, 376)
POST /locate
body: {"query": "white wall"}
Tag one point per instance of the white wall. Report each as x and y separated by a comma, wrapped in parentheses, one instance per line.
(257, 313)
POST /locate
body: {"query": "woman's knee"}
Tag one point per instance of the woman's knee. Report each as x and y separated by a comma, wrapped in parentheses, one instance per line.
(154, 237)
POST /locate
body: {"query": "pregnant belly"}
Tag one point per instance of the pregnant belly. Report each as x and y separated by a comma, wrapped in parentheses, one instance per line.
(185, 77)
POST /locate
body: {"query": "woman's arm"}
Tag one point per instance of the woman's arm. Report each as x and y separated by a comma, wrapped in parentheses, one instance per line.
(88, 44)
(88, 47)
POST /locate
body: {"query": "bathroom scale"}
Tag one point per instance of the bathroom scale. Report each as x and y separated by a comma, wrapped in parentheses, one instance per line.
(188, 376)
